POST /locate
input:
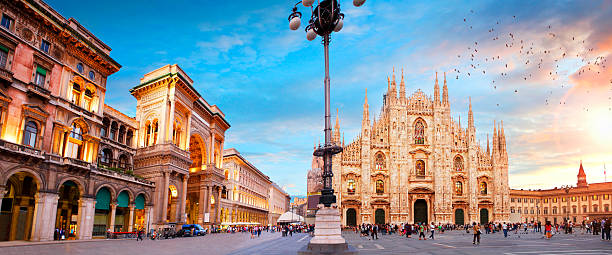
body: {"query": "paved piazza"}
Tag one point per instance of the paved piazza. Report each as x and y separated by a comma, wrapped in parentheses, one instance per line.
(455, 242)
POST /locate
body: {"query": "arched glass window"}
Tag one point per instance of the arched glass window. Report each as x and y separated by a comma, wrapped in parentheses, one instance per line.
(380, 161)
(419, 132)
(458, 164)
(92, 75)
(350, 186)
(105, 156)
(155, 128)
(75, 142)
(88, 99)
(459, 188)
(176, 133)
(483, 188)
(123, 161)
(128, 137)
(105, 126)
(380, 187)
(80, 68)
(148, 134)
(76, 94)
(30, 133)
(420, 168)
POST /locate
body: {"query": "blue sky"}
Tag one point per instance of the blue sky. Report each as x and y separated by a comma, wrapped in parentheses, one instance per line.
(267, 79)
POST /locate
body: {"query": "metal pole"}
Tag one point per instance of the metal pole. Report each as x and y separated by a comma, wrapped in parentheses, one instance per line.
(327, 156)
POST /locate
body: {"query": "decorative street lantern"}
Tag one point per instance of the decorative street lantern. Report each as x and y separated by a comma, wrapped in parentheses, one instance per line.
(325, 19)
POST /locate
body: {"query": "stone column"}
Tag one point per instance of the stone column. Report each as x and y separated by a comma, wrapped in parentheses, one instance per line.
(131, 220)
(211, 151)
(113, 207)
(86, 218)
(207, 203)
(2, 190)
(164, 210)
(148, 213)
(170, 123)
(201, 205)
(183, 201)
(218, 205)
(44, 216)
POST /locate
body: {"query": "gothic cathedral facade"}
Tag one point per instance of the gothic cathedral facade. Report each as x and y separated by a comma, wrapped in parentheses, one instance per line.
(415, 163)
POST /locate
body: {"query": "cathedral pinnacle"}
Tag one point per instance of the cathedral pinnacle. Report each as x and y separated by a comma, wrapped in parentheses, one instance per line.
(436, 91)
(445, 92)
(402, 87)
(470, 116)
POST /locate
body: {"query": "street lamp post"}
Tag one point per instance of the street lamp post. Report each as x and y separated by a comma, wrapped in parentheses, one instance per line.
(325, 19)
(567, 189)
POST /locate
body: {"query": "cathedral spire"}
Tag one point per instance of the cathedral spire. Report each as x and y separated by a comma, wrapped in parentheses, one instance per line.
(402, 87)
(366, 111)
(337, 127)
(470, 117)
(445, 92)
(495, 140)
(436, 91)
(488, 151)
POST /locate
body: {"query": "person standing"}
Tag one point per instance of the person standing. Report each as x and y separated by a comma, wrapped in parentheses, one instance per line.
(476, 230)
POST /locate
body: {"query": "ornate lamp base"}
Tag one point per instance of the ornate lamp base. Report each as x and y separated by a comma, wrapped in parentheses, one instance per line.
(328, 236)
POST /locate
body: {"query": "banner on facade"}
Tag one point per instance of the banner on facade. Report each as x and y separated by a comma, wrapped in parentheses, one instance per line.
(206, 217)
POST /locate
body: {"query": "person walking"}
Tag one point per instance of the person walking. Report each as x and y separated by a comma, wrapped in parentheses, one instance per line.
(422, 231)
(548, 230)
(432, 228)
(606, 229)
(476, 230)
(505, 229)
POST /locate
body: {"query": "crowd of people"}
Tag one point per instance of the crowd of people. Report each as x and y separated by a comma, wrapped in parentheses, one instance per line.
(427, 231)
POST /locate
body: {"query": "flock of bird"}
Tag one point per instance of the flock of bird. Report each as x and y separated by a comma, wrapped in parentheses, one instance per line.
(501, 56)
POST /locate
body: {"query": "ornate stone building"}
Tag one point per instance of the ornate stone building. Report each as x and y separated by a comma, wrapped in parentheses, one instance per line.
(180, 147)
(583, 202)
(53, 75)
(415, 163)
(247, 196)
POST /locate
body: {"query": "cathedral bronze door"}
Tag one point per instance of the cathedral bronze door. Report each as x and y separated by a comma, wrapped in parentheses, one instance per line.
(420, 211)
(484, 216)
(459, 217)
(379, 216)
(351, 217)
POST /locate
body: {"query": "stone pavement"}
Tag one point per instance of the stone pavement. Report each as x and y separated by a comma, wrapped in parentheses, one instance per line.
(451, 242)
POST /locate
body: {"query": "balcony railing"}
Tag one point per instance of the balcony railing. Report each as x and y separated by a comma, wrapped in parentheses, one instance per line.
(6, 74)
(20, 148)
(116, 165)
(166, 147)
(38, 90)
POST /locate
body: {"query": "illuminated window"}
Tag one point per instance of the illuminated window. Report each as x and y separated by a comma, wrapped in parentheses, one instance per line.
(483, 188)
(30, 133)
(606, 197)
(155, 129)
(458, 163)
(75, 142)
(76, 94)
(350, 186)
(573, 199)
(554, 200)
(594, 197)
(545, 200)
(380, 187)
(584, 198)
(176, 133)
(380, 161)
(458, 188)
(174, 191)
(420, 168)
(419, 132)
(88, 99)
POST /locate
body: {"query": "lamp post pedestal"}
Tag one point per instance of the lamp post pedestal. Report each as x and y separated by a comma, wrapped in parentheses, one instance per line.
(328, 237)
